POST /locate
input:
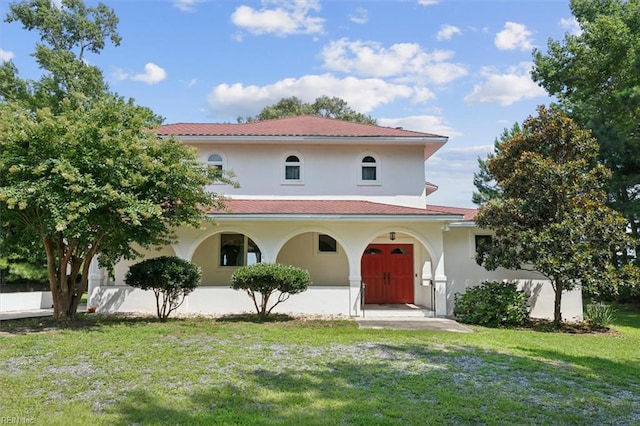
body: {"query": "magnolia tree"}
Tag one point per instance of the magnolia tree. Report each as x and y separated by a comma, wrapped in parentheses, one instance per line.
(550, 213)
(80, 172)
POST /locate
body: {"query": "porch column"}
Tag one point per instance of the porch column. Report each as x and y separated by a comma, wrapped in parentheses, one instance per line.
(440, 282)
(354, 296)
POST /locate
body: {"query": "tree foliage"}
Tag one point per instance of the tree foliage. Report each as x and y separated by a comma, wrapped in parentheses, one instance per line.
(552, 216)
(170, 278)
(262, 280)
(487, 188)
(595, 75)
(323, 107)
(80, 172)
(492, 304)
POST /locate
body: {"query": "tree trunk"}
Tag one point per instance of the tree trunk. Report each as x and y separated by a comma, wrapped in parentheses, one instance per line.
(557, 303)
(65, 293)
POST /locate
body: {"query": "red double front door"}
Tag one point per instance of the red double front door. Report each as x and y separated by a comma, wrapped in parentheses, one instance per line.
(387, 271)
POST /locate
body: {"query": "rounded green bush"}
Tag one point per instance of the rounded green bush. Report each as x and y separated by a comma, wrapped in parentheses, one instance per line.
(492, 304)
(266, 279)
(169, 277)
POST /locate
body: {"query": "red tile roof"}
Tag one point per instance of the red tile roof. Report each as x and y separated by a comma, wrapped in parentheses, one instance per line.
(467, 214)
(330, 207)
(305, 125)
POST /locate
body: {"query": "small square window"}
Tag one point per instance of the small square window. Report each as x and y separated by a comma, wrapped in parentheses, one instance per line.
(483, 243)
(327, 244)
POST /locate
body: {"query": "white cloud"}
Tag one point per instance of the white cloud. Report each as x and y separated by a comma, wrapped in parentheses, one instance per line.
(360, 16)
(422, 123)
(286, 18)
(571, 25)
(6, 55)
(152, 74)
(505, 88)
(428, 2)
(514, 36)
(403, 61)
(363, 95)
(186, 5)
(189, 83)
(447, 32)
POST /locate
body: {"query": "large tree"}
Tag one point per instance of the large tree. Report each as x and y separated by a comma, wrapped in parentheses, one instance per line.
(323, 106)
(80, 170)
(487, 187)
(596, 77)
(552, 215)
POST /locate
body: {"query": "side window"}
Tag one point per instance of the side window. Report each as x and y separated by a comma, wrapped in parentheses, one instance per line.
(238, 250)
(482, 243)
(327, 244)
(293, 169)
(369, 171)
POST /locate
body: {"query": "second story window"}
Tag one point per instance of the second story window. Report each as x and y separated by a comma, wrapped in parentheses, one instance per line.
(369, 170)
(215, 160)
(293, 169)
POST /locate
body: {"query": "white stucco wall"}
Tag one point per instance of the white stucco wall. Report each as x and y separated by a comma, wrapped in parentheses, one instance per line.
(463, 272)
(326, 170)
(21, 301)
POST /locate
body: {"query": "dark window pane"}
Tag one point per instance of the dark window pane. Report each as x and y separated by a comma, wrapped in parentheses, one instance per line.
(398, 250)
(292, 159)
(231, 250)
(373, 251)
(292, 172)
(483, 243)
(369, 173)
(368, 159)
(327, 243)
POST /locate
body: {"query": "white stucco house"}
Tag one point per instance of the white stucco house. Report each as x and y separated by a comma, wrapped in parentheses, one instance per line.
(346, 201)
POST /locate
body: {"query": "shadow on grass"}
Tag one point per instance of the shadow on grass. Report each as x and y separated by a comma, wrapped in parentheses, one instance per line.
(88, 322)
(460, 386)
(254, 318)
(627, 315)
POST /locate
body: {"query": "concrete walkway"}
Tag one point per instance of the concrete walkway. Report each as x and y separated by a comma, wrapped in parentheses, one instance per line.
(29, 313)
(412, 323)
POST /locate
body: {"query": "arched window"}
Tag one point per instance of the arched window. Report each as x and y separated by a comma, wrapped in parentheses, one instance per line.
(293, 172)
(369, 172)
(216, 161)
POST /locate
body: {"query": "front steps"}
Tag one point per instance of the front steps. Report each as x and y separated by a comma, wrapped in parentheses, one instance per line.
(400, 310)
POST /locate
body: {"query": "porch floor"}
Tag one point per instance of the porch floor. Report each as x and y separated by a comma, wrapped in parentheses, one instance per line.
(407, 310)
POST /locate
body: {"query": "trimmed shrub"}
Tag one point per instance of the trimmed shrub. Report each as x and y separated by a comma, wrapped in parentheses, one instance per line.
(170, 278)
(492, 304)
(598, 314)
(262, 280)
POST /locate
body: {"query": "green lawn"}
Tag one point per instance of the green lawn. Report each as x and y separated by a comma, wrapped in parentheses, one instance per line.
(139, 371)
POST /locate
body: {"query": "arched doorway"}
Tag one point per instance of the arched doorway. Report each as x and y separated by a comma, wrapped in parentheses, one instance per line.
(388, 273)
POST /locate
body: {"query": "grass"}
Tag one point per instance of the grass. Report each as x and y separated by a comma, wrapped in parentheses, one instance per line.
(139, 371)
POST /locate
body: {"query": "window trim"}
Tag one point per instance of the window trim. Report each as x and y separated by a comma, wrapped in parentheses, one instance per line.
(299, 164)
(221, 164)
(362, 164)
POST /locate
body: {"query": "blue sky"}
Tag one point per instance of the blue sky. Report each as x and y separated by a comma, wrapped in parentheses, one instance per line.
(458, 68)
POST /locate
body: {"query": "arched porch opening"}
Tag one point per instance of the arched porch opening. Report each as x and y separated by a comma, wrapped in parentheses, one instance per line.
(397, 268)
(220, 254)
(320, 254)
